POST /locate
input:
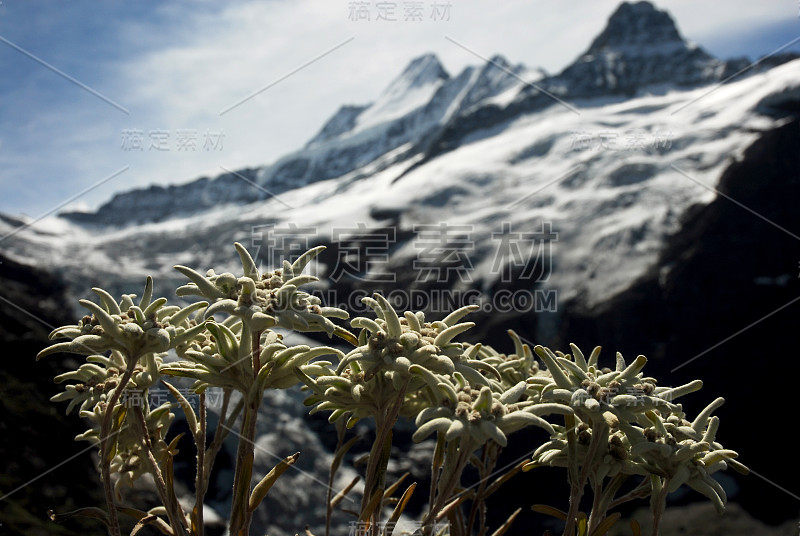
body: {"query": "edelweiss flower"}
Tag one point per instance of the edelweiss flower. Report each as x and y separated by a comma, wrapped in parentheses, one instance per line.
(619, 394)
(479, 413)
(265, 301)
(684, 453)
(639, 434)
(513, 368)
(98, 378)
(382, 365)
(134, 330)
(222, 360)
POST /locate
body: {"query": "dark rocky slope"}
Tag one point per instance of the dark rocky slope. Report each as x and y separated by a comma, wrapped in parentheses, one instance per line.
(35, 436)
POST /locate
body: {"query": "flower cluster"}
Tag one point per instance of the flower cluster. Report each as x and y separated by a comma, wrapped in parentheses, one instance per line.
(392, 354)
(481, 413)
(134, 330)
(220, 358)
(626, 425)
(126, 345)
(266, 300)
(101, 375)
(242, 352)
(605, 425)
(512, 368)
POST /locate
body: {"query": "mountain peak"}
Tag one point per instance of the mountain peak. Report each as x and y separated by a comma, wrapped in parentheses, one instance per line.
(637, 26)
(639, 47)
(422, 71)
(412, 89)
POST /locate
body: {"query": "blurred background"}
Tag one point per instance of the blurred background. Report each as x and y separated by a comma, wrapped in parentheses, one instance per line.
(603, 173)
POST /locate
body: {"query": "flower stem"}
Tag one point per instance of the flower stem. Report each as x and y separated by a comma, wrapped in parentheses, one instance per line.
(577, 487)
(240, 514)
(105, 445)
(455, 461)
(659, 504)
(167, 496)
(224, 424)
(199, 482)
(375, 477)
(244, 471)
(602, 500)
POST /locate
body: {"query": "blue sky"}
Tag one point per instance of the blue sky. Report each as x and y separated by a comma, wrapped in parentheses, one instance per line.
(137, 68)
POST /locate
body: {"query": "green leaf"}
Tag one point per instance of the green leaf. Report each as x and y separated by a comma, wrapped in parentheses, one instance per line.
(458, 314)
(549, 359)
(154, 306)
(302, 261)
(90, 511)
(108, 301)
(204, 286)
(248, 264)
(399, 507)
(582, 528)
(671, 394)
(447, 334)
(148, 293)
(606, 525)
(502, 529)
(550, 511)
(113, 437)
(372, 505)
(345, 335)
(340, 453)
(339, 497)
(191, 418)
(106, 322)
(391, 489)
(263, 487)
(594, 356)
(179, 317)
(389, 315)
(580, 360)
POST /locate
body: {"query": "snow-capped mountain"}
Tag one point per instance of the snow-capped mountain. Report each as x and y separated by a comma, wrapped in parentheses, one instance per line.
(615, 150)
(568, 187)
(640, 47)
(421, 100)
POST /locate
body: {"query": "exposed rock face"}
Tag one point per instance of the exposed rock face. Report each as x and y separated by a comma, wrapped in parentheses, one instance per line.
(637, 28)
(639, 47)
(344, 120)
(159, 203)
(640, 50)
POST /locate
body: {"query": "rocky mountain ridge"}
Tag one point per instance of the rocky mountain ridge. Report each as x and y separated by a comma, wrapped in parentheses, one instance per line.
(426, 111)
